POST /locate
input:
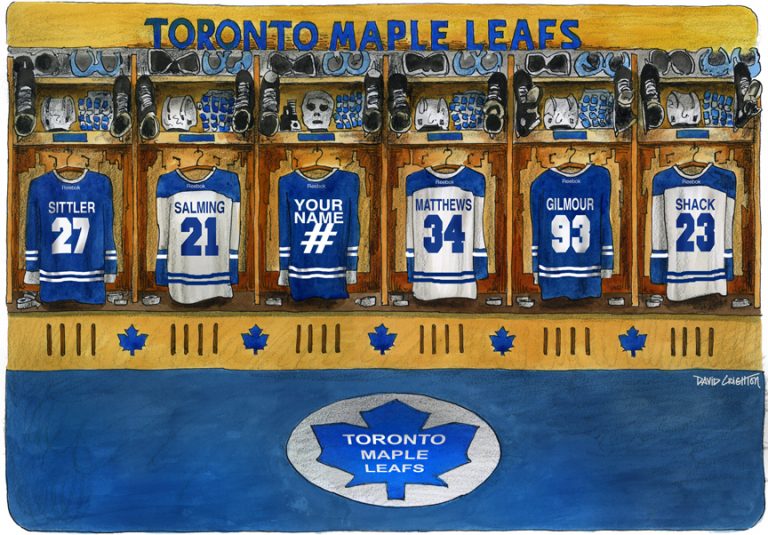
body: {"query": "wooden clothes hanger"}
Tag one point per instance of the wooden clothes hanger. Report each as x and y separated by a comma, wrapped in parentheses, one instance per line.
(570, 164)
(693, 163)
(317, 166)
(69, 168)
(445, 166)
(197, 166)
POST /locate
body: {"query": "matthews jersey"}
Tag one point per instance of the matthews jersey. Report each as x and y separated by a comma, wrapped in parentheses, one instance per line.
(572, 242)
(70, 248)
(319, 233)
(692, 231)
(445, 248)
(198, 235)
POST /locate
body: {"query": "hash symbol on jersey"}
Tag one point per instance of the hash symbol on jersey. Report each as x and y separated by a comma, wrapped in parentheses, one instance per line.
(318, 238)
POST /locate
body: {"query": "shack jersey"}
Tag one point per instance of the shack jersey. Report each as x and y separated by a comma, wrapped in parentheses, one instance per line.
(572, 241)
(445, 248)
(692, 231)
(70, 247)
(319, 233)
(198, 235)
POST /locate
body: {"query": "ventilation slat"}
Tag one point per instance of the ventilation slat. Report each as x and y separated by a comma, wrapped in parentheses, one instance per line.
(337, 347)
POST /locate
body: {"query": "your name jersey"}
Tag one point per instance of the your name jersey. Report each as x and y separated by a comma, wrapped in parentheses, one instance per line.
(70, 248)
(319, 234)
(572, 241)
(198, 225)
(445, 247)
(692, 231)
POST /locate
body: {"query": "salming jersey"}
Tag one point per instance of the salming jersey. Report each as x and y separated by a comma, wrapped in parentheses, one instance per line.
(319, 233)
(70, 248)
(198, 235)
(572, 242)
(445, 248)
(692, 231)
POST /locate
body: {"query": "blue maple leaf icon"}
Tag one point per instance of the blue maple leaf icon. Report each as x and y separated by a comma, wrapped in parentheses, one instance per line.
(502, 341)
(394, 449)
(132, 341)
(381, 339)
(255, 339)
(633, 341)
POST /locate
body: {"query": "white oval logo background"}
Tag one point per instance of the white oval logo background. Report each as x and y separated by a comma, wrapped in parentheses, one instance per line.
(484, 451)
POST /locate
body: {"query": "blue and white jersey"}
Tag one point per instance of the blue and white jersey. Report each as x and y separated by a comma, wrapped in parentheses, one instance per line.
(198, 225)
(445, 247)
(572, 242)
(319, 234)
(692, 231)
(70, 248)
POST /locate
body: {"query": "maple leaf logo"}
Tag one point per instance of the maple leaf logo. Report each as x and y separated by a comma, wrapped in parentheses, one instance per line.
(381, 339)
(394, 449)
(632, 341)
(132, 341)
(255, 339)
(502, 341)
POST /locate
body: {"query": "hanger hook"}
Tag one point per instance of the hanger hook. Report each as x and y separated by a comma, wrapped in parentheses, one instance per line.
(199, 157)
(69, 154)
(218, 159)
(87, 160)
(55, 161)
(317, 162)
(178, 160)
(450, 153)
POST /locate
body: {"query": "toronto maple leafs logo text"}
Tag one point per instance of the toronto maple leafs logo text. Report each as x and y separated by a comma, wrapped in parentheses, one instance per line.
(395, 449)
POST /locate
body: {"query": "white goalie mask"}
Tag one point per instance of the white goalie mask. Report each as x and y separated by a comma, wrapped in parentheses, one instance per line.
(179, 113)
(683, 109)
(431, 114)
(58, 113)
(561, 113)
(316, 110)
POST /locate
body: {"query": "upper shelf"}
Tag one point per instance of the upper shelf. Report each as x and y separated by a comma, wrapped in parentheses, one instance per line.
(74, 80)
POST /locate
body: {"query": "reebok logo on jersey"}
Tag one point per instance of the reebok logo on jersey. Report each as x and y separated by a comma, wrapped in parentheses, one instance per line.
(695, 204)
(318, 238)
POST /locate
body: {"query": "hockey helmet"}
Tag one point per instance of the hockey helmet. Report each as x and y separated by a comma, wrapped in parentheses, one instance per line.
(431, 114)
(179, 113)
(683, 109)
(561, 113)
(58, 113)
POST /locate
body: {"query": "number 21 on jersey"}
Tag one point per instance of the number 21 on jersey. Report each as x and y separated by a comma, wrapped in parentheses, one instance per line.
(192, 245)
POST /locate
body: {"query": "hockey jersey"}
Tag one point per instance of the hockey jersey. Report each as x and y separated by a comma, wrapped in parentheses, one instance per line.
(572, 241)
(692, 231)
(445, 248)
(198, 225)
(70, 248)
(319, 234)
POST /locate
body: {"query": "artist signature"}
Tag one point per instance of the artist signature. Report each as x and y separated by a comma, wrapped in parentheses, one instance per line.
(728, 380)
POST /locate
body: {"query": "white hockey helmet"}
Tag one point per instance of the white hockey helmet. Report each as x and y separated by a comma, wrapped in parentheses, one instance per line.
(58, 113)
(179, 113)
(561, 113)
(432, 114)
(683, 109)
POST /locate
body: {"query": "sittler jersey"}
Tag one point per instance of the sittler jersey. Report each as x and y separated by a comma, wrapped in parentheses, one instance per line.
(198, 225)
(692, 231)
(572, 242)
(319, 233)
(70, 248)
(445, 248)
